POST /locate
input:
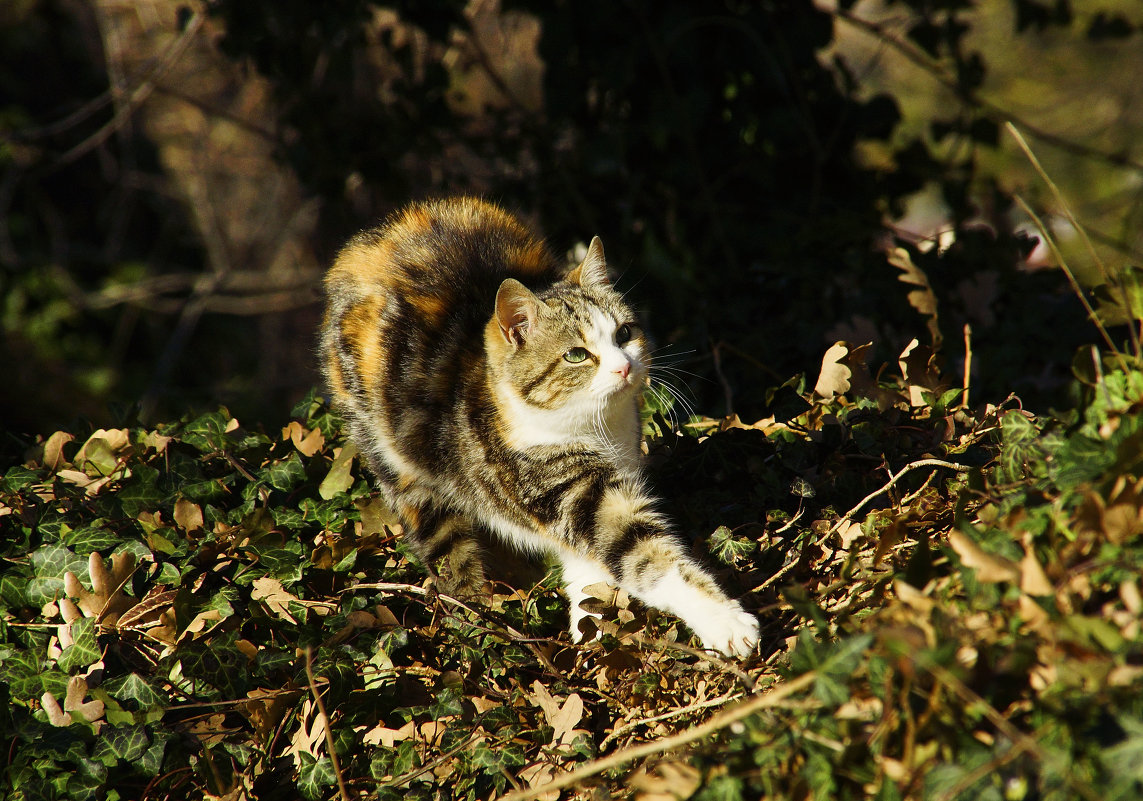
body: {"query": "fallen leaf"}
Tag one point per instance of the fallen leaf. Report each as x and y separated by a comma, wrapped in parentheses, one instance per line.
(1033, 580)
(106, 601)
(269, 591)
(307, 442)
(53, 458)
(989, 567)
(667, 781)
(340, 476)
(538, 775)
(923, 299)
(188, 515)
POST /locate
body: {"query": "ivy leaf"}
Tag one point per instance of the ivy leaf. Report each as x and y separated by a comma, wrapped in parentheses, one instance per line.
(121, 744)
(93, 537)
(730, 549)
(314, 776)
(84, 650)
(211, 432)
(135, 689)
(140, 492)
(49, 564)
(286, 474)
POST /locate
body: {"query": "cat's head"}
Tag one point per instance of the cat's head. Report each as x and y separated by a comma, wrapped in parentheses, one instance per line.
(575, 346)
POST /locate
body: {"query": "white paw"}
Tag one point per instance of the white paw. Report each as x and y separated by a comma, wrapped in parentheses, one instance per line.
(577, 615)
(730, 631)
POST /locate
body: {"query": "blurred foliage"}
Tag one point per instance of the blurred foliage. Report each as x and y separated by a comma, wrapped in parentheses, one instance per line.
(740, 168)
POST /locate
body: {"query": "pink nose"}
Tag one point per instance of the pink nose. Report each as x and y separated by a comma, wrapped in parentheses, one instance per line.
(623, 370)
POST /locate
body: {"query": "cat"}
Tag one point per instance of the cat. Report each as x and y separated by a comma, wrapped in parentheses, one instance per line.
(491, 389)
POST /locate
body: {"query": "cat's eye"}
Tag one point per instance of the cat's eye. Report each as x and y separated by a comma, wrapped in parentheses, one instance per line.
(623, 334)
(576, 355)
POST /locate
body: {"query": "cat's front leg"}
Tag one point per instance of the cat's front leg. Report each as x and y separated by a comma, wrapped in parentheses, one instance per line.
(578, 574)
(650, 563)
(671, 582)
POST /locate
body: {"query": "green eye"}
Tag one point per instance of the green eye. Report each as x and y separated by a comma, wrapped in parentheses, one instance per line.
(575, 355)
(623, 334)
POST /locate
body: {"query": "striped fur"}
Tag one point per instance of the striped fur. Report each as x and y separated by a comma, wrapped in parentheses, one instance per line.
(492, 390)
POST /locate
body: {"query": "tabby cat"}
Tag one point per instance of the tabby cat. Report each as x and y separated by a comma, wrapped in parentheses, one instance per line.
(491, 389)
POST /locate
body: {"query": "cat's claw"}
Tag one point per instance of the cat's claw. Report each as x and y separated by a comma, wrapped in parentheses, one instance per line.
(734, 633)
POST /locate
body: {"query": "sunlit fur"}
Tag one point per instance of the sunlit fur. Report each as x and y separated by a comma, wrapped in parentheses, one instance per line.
(491, 389)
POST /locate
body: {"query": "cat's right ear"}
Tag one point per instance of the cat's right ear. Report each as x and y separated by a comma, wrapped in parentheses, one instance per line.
(516, 310)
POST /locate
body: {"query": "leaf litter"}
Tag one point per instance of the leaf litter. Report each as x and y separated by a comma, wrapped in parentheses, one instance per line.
(950, 604)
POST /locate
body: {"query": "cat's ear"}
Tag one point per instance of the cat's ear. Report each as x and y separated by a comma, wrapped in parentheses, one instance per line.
(593, 270)
(516, 310)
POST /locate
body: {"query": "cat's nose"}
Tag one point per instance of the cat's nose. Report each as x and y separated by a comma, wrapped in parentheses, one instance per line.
(623, 370)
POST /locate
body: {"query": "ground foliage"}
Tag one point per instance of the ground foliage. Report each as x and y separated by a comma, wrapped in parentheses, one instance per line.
(950, 600)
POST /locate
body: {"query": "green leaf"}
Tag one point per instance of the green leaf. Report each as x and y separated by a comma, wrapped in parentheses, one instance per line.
(84, 651)
(27, 677)
(286, 474)
(121, 744)
(140, 492)
(49, 563)
(93, 537)
(209, 432)
(135, 689)
(729, 549)
(314, 776)
(17, 478)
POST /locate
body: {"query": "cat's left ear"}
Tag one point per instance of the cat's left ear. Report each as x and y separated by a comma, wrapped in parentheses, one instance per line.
(516, 310)
(593, 270)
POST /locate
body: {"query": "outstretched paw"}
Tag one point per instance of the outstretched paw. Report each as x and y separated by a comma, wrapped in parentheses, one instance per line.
(733, 632)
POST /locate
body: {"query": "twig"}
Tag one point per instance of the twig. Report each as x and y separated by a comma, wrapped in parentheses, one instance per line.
(967, 364)
(1021, 740)
(413, 589)
(1075, 223)
(1076, 288)
(664, 744)
(139, 94)
(616, 733)
(892, 481)
(786, 569)
(325, 720)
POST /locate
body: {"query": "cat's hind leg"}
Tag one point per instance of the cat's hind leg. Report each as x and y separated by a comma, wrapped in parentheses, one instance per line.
(439, 534)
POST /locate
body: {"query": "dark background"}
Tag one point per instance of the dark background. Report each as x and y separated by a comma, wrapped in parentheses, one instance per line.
(175, 177)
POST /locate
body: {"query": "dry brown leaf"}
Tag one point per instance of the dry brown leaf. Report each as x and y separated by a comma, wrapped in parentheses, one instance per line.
(844, 371)
(309, 735)
(266, 708)
(834, 376)
(106, 601)
(269, 591)
(989, 567)
(538, 775)
(667, 781)
(376, 514)
(923, 299)
(561, 717)
(307, 442)
(91, 711)
(53, 458)
(380, 735)
(1033, 579)
(919, 370)
(188, 515)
